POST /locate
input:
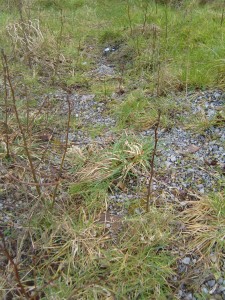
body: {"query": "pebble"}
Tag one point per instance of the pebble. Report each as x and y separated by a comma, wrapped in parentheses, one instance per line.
(173, 158)
(186, 260)
(204, 290)
(189, 296)
(211, 283)
(221, 289)
(220, 280)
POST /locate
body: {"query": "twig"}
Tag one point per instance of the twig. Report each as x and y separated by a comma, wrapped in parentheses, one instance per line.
(20, 8)
(5, 251)
(149, 194)
(7, 74)
(129, 17)
(65, 150)
(6, 111)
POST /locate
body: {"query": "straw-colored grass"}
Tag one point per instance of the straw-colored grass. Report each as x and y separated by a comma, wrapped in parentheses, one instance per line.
(204, 222)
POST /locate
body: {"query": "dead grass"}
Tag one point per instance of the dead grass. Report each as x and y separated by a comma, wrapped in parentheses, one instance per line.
(204, 224)
(128, 156)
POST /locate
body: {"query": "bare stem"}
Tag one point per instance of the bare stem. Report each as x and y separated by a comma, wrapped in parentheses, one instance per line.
(20, 8)
(129, 17)
(6, 111)
(149, 194)
(65, 150)
(7, 74)
(5, 252)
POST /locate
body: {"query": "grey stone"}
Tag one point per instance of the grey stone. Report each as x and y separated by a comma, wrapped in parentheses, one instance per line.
(211, 283)
(173, 158)
(221, 289)
(186, 260)
(204, 290)
(189, 296)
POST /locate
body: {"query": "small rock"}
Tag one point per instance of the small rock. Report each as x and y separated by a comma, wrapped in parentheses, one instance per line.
(213, 257)
(217, 95)
(221, 289)
(107, 49)
(168, 164)
(189, 296)
(186, 260)
(180, 293)
(204, 290)
(211, 283)
(173, 158)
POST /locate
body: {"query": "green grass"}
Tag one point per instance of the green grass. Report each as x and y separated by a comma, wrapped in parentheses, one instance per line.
(139, 111)
(89, 265)
(192, 48)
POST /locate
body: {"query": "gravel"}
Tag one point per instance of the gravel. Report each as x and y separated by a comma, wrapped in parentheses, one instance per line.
(191, 160)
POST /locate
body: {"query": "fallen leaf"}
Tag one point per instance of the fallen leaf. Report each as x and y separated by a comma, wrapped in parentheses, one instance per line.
(121, 185)
(45, 137)
(192, 149)
(213, 162)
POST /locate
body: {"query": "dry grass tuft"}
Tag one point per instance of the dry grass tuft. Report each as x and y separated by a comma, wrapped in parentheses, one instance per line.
(115, 163)
(25, 36)
(204, 223)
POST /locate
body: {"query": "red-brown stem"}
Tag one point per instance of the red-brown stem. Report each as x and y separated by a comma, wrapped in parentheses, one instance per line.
(149, 194)
(6, 111)
(5, 251)
(65, 150)
(129, 17)
(7, 74)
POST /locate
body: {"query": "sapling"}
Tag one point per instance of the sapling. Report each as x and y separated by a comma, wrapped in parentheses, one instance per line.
(149, 193)
(4, 250)
(64, 152)
(25, 143)
(6, 110)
